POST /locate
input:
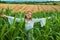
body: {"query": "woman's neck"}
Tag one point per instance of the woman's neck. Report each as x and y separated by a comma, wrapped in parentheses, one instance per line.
(28, 19)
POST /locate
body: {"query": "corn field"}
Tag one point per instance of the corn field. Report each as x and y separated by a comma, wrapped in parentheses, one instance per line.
(51, 31)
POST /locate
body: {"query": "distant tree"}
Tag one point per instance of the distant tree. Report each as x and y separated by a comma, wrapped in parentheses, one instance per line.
(54, 3)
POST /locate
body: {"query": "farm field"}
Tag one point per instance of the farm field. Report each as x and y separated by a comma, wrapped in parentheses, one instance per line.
(16, 31)
(30, 7)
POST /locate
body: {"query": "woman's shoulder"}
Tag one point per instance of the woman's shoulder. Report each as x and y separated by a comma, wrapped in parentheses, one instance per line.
(36, 18)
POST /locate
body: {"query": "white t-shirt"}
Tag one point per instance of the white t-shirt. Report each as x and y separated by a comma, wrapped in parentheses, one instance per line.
(29, 24)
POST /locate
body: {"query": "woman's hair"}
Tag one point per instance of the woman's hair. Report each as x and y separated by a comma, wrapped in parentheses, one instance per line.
(27, 13)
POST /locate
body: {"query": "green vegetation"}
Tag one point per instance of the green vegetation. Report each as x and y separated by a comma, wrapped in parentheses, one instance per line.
(16, 31)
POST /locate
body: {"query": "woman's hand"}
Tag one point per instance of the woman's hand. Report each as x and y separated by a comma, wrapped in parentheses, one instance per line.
(3, 15)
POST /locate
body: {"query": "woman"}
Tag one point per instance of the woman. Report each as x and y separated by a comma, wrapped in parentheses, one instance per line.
(29, 21)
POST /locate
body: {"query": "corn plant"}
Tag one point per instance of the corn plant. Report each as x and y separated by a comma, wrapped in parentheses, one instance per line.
(16, 31)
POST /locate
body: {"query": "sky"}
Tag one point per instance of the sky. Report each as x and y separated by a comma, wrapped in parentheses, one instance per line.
(29, 0)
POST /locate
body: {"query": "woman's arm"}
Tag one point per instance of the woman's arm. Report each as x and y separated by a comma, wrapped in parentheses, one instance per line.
(3, 15)
(10, 18)
(42, 21)
(39, 19)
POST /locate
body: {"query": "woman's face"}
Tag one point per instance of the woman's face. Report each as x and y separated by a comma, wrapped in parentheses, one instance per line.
(28, 15)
